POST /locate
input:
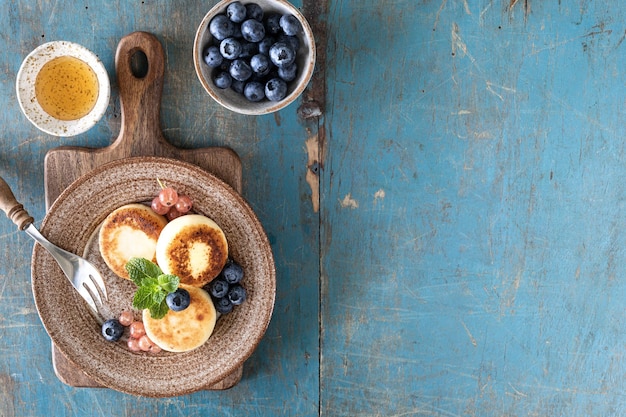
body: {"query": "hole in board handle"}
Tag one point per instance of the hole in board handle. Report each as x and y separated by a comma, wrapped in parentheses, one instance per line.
(139, 64)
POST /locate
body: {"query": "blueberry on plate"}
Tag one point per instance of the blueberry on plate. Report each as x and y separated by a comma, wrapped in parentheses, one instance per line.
(178, 300)
(232, 272)
(218, 288)
(282, 54)
(254, 91)
(276, 89)
(222, 80)
(252, 30)
(230, 48)
(223, 305)
(112, 330)
(212, 56)
(237, 294)
(240, 70)
(221, 27)
(254, 11)
(236, 12)
(290, 24)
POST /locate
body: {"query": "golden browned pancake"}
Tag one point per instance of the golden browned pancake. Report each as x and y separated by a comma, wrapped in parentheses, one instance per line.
(180, 331)
(192, 247)
(129, 231)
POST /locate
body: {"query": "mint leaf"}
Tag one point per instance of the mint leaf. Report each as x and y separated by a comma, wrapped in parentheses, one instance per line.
(169, 283)
(158, 296)
(152, 286)
(143, 298)
(141, 268)
(158, 311)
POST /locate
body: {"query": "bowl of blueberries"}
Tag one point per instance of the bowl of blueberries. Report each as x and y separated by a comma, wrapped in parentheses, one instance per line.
(254, 57)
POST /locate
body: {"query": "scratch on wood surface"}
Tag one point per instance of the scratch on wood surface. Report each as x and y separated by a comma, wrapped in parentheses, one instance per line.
(349, 202)
(469, 334)
(525, 6)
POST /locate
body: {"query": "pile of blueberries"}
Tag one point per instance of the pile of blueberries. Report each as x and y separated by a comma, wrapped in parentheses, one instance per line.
(226, 290)
(253, 53)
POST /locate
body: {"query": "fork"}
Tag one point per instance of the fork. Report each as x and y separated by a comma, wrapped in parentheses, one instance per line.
(83, 276)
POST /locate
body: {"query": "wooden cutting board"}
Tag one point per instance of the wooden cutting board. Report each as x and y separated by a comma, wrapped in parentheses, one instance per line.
(140, 135)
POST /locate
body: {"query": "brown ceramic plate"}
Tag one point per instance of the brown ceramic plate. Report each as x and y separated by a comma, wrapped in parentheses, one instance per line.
(72, 223)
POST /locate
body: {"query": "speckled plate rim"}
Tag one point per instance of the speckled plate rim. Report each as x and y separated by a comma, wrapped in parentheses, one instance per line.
(25, 88)
(71, 222)
(235, 102)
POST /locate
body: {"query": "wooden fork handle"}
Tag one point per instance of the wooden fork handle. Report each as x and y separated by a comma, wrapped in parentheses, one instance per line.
(13, 209)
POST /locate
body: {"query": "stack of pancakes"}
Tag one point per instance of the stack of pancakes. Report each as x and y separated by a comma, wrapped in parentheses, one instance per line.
(192, 247)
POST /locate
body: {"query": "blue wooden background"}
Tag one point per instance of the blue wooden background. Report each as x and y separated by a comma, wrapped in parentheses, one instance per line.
(448, 234)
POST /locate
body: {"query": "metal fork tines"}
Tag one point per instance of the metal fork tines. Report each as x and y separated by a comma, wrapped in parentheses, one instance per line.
(83, 276)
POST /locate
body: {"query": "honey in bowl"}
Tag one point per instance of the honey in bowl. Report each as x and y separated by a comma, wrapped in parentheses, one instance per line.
(66, 88)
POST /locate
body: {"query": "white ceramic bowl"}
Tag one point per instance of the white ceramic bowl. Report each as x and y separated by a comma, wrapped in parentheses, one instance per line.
(235, 101)
(25, 88)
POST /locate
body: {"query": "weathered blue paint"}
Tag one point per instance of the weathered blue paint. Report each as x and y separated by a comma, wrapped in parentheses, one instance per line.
(473, 252)
(466, 257)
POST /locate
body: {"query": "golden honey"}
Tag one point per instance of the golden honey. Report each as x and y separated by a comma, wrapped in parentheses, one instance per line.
(66, 88)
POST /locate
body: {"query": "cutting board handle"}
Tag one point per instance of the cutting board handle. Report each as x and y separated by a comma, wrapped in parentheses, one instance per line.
(140, 95)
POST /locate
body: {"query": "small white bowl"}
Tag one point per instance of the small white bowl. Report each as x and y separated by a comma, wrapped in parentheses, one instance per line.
(235, 101)
(25, 88)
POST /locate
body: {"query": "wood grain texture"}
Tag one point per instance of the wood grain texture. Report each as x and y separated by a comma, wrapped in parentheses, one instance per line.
(473, 239)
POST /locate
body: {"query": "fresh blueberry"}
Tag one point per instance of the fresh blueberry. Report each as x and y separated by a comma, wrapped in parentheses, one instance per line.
(178, 300)
(237, 294)
(236, 12)
(112, 330)
(292, 41)
(218, 288)
(237, 86)
(230, 48)
(254, 11)
(221, 27)
(282, 54)
(290, 24)
(254, 91)
(272, 24)
(266, 44)
(240, 70)
(223, 305)
(222, 80)
(237, 32)
(276, 89)
(260, 64)
(248, 49)
(232, 272)
(289, 72)
(212, 56)
(252, 30)
(225, 64)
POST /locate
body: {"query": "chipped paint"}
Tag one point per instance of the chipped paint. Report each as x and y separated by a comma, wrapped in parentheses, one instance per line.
(312, 177)
(349, 202)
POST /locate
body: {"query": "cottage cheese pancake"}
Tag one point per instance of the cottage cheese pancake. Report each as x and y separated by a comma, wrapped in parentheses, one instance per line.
(192, 247)
(180, 331)
(129, 231)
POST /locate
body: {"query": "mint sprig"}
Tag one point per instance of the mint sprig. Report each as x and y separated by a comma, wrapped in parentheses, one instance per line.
(152, 286)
